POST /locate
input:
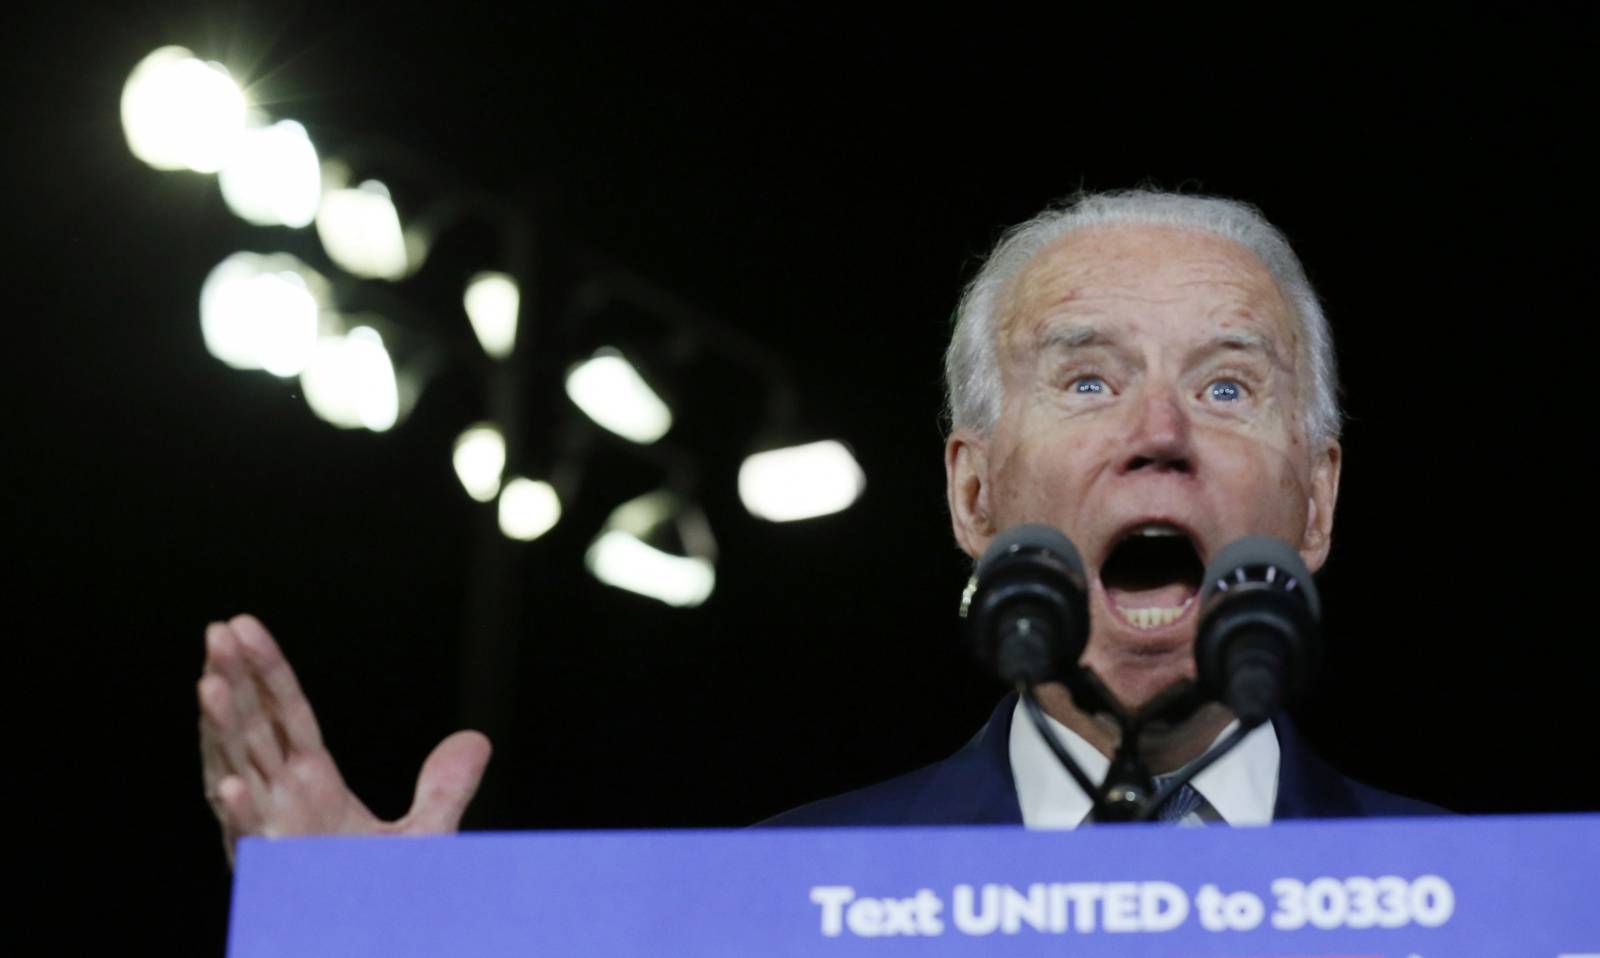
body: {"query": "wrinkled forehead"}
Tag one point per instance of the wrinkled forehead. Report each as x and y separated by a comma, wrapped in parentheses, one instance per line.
(1171, 281)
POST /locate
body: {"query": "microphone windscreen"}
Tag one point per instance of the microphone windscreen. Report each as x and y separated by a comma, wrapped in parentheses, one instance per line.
(1233, 562)
(1026, 606)
(1034, 536)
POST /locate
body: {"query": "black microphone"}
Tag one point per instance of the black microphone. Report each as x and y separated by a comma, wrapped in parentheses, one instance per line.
(1260, 627)
(1026, 606)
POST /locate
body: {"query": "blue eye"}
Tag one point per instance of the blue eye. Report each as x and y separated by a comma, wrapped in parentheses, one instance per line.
(1092, 385)
(1225, 390)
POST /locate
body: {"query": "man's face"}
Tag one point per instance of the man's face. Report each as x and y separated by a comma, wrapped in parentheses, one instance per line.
(1152, 411)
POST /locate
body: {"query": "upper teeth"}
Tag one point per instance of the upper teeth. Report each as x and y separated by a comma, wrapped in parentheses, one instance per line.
(1154, 618)
(1157, 529)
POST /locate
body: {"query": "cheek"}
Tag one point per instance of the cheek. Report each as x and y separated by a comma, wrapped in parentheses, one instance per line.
(1294, 497)
(1264, 494)
(1040, 481)
(1011, 488)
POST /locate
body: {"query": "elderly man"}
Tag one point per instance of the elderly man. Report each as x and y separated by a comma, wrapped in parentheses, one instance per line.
(1150, 373)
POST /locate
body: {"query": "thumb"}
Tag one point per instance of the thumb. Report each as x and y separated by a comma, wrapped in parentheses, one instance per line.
(448, 780)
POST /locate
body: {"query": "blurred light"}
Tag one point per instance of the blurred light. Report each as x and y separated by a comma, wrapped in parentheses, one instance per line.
(274, 178)
(619, 559)
(350, 381)
(262, 312)
(360, 229)
(181, 113)
(479, 458)
(492, 301)
(610, 391)
(626, 553)
(528, 508)
(800, 482)
(641, 516)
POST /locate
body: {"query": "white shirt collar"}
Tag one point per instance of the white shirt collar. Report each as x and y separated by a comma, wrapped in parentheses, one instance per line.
(1242, 786)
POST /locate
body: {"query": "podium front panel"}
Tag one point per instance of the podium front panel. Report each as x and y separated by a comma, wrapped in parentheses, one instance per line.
(1500, 887)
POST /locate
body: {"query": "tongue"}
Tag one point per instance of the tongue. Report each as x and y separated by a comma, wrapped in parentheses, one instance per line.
(1162, 597)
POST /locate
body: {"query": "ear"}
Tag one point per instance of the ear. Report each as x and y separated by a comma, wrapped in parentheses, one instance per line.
(966, 473)
(1319, 512)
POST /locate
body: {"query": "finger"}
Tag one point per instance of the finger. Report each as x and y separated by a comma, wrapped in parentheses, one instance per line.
(220, 744)
(213, 771)
(448, 781)
(252, 719)
(240, 814)
(213, 763)
(222, 741)
(291, 709)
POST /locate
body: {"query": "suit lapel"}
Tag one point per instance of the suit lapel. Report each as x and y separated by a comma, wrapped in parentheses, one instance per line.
(975, 786)
(1307, 786)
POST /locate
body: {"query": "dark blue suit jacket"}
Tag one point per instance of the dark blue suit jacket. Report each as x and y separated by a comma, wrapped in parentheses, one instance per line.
(974, 787)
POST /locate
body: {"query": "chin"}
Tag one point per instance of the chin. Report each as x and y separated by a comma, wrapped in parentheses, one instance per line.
(1138, 673)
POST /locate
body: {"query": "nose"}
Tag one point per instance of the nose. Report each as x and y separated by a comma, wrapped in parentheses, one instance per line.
(1158, 437)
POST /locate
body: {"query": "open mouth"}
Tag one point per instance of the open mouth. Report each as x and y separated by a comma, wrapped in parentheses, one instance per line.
(1152, 575)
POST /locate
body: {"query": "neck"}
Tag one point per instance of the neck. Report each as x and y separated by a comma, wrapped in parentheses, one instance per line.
(1165, 748)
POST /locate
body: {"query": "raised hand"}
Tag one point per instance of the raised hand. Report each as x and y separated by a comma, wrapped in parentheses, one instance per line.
(266, 770)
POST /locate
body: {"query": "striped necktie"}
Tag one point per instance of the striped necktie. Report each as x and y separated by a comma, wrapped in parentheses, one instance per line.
(1180, 804)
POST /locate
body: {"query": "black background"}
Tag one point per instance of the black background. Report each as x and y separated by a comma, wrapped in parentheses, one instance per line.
(823, 182)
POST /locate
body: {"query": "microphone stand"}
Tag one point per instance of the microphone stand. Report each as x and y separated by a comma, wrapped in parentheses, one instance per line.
(1128, 793)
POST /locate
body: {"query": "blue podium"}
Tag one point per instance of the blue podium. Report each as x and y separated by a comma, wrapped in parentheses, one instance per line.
(1511, 887)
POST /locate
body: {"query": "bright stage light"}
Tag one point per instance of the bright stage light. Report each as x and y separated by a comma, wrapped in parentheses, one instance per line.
(479, 458)
(261, 312)
(492, 301)
(360, 228)
(612, 393)
(181, 113)
(619, 559)
(626, 554)
(351, 383)
(528, 509)
(800, 482)
(274, 178)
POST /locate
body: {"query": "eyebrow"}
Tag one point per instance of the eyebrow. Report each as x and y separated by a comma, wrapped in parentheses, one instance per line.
(1074, 336)
(1238, 341)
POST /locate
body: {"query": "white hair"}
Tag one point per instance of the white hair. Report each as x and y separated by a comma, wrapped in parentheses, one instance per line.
(972, 371)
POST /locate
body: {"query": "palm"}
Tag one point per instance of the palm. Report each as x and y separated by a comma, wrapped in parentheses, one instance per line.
(266, 770)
